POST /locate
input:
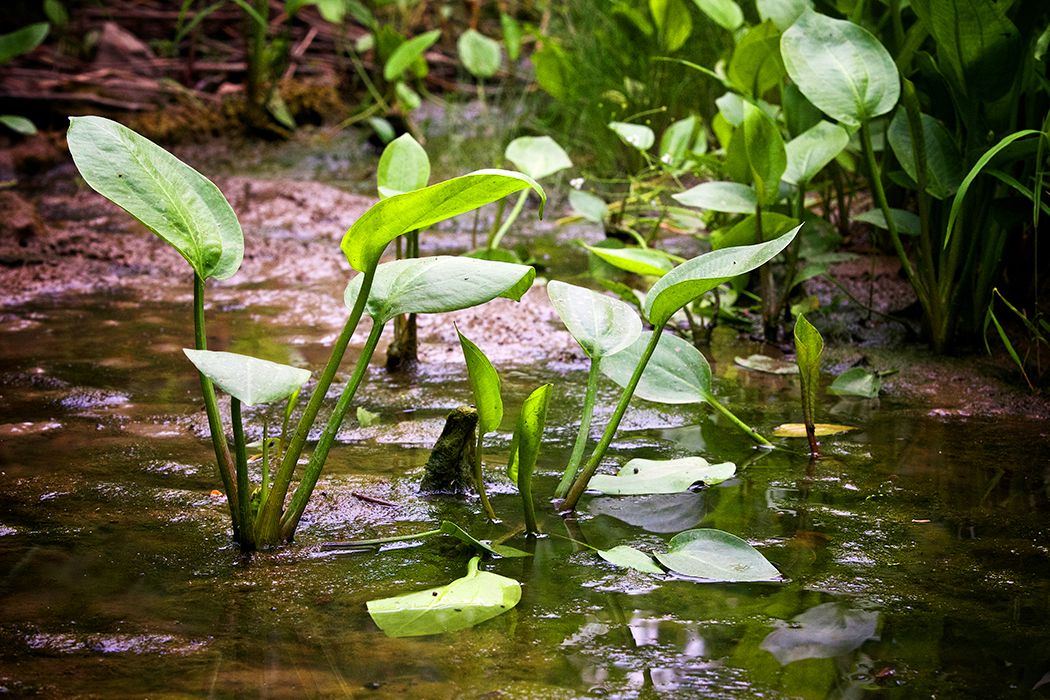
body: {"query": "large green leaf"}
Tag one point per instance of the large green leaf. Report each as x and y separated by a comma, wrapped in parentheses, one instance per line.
(484, 384)
(22, 40)
(403, 167)
(677, 372)
(600, 324)
(673, 23)
(170, 198)
(639, 261)
(810, 151)
(648, 476)
(766, 155)
(248, 379)
(840, 67)
(479, 54)
(412, 211)
(809, 346)
(756, 65)
(729, 197)
(467, 601)
(407, 53)
(537, 156)
(703, 273)
(725, 13)
(944, 165)
(715, 555)
(635, 135)
(438, 284)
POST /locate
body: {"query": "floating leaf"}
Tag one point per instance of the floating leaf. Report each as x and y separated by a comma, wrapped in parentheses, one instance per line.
(822, 632)
(728, 197)
(641, 477)
(484, 384)
(677, 372)
(810, 151)
(403, 167)
(600, 324)
(635, 135)
(450, 528)
(248, 379)
(630, 558)
(715, 555)
(407, 53)
(798, 430)
(168, 197)
(537, 156)
(857, 381)
(769, 365)
(438, 284)
(589, 206)
(480, 55)
(638, 261)
(467, 601)
(419, 209)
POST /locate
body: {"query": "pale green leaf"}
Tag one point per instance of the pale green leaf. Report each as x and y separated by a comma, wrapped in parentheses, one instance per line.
(677, 373)
(677, 140)
(630, 558)
(810, 151)
(650, 476)
(635, 135)
(484, 384)
(512, 36)
(407, 53)
(728, 197)
(403, 167)
(537, 156)
(248, 379)
(479, 54)
(715, 555)
(600, 324)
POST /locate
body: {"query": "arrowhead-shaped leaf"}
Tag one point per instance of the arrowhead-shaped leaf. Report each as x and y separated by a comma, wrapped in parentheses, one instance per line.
(537, 156)
(248, 379)
(600, 324)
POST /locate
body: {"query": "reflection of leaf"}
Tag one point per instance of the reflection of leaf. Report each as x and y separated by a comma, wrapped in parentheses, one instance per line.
(630, 558)
(769, 365)
(650, 476)
(857, 381)
(820, 429)
(822, 632)
(465, 602)
(715, 555)
(662, 514)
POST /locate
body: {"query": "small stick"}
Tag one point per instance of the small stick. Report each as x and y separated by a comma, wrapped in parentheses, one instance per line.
(373, 499)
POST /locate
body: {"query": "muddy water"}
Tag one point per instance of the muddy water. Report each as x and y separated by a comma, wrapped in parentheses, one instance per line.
(916, 552)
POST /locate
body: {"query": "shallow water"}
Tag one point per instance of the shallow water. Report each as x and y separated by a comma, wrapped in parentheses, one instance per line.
(915, 552)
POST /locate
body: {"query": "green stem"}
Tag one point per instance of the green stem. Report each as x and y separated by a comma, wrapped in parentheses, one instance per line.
(211, 407)
(584, 432)
(528, 505)
(479, 481)
(494, 240)
(241, 451)
(317, 459)
(714, 403)
(580, 484)
(265, 488)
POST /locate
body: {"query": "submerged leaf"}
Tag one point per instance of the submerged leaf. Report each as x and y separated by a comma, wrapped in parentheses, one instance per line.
(650, 476)
(764, 363)
(465, 602)
(600, 324)
(537, 156)
(248, 379)
(715, 555)
(630, 558)
(796, 430)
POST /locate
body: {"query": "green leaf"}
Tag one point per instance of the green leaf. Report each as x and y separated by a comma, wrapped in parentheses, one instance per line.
(677, 140)
(907, 223)
(764, 363)
(630, 558)
(22, 40)
(639, 261)
(857, 381)
(840, 67)
(450, 528)
(725, 13)
(18, 124)
(673, 23)
(467, 601)
(408, 97)
(479, 54)
(438, 284)
(677, 372)
(809, 346)
(526, 449)
(766, 154)
(537, 156)
(600, 324)
(512, 36)
(810, 151)
(745, 231)
(715, 555)
(248, 379)
(168, 197)
(634, 135)
(407, 53)
(695, 277)
(944, 166)
(484, 384)
(641, 477)
(728, 197)
(589, 206)
(403, 167)
(756, 66)
(366, 418)
(419, 209)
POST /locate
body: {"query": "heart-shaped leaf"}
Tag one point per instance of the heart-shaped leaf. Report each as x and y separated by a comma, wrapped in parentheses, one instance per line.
(810, 151)
(438, 284)
(485, 385)
(677, 372)
(419, 209)
(600, 324)
(248, 379)
(728, 197)
(715, 555)
(403, 167)
(537, 156)
(467, 601)
(640, 477)
(630, 558)
(703, 273)
(168, 197)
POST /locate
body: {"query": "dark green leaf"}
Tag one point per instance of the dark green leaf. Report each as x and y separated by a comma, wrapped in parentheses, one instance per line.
(766, 154)
(756, 65)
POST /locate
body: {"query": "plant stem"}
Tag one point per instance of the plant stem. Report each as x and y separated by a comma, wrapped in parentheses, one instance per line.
(479, 481)
(715, 404)
(583, 433)
(495, 239)
(382, 540)
(265, 488)
(580, 484)
(317, 459)
(211, 407)
(241, 452)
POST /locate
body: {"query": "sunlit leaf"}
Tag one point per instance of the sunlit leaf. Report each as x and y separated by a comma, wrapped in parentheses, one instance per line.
(249, 379)
(479, 54)
(467, 601)
(537, 156)
(407, 53)
(600, 324)
(715, 555)
(649, 476)
(634, 135)
(168, 197)
(857, 381)
(677, 372)
(729, 197)
(403, 167)
(798, 430)
(769, 365)
(484, 384)
(630, 558)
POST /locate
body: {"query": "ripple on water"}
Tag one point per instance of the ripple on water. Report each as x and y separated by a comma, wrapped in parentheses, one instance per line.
(9, 430)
